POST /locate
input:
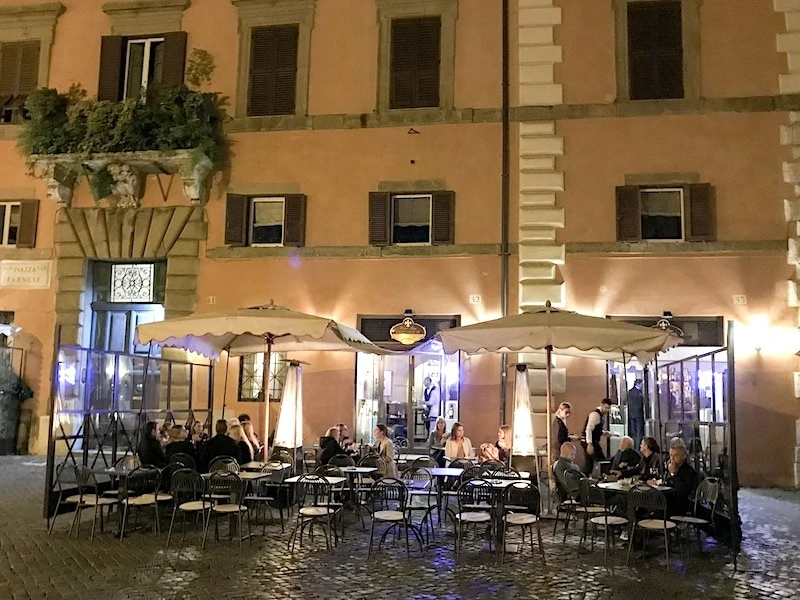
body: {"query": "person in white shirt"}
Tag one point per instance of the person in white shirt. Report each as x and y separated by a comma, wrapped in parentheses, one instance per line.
(594, 433)
(431, 400)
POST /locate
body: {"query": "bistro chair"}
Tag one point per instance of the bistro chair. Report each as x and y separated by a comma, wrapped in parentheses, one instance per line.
(184, 460)
(140, 489)
(424, 462)
(282, 455)
(567, 503)
(460, 463)
(521, 507)
(653, 503)
(313, 499)
(309, 460)
(342, 460)
(421, 497)
(267, 492)
(88, 496)
(705, 499)
(188, 488)
(224, 464)
(595, 496)
(474, 507)
(490, 466)
(338, 491)
(66, 482)
(126, 463)
(593, 503)
(389, 505)
(503, 472)
(227, 486)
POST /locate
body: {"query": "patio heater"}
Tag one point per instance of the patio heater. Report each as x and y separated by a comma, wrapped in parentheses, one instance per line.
(289, 429)
(523, 445)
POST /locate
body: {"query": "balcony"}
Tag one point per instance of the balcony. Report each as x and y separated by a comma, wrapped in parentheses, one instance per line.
(117, 145)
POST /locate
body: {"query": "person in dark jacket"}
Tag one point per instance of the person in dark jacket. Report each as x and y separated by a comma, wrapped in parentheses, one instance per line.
(150, 451)
(626, 462)
(178, 444)
(652, 465)
(329, 446)
(219, 445)
(682, 478)
(566, 471)
(559, 433)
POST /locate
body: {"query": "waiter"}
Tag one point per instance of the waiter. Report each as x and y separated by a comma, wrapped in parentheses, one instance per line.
(593, 431)
(559, 433)
(430, 398)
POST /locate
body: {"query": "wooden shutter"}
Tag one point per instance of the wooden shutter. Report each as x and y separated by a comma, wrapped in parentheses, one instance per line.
(273, 70)
(28, 219)
(699, 212)
(380, 221)
(443, 218)
(237, 221)
(655, 50)
(29, 67)
(174, 58)
(10, 54)
(415, 58)
(109, 86)
(294, 220)
(629, 214)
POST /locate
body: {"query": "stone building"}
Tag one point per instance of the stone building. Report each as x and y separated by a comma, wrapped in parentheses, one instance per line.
(648, 167)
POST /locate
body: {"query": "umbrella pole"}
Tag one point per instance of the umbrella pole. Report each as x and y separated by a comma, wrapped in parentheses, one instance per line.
(548, 353)
(225, 389)
(265, 383)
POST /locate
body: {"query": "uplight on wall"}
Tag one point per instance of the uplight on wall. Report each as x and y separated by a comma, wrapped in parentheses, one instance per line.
(765, 338)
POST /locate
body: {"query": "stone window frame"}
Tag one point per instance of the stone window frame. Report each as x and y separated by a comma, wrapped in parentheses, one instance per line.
(269, 13)
(145, 17)
(32, 22)
(690, 30)
(388, 10)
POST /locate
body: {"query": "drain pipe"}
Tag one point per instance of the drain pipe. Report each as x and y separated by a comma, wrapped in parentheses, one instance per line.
(505, 199)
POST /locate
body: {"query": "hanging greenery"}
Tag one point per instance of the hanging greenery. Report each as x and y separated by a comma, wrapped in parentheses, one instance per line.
(12, 388)
(170, 118)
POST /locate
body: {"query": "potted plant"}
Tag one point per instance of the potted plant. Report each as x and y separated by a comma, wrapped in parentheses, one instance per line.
(13, 392)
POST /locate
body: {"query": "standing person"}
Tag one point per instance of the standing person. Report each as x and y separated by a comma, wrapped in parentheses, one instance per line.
(503, 443)
(431, 400)
(593, 430)
(458, 446)
(150, 450)
(560, 434)
(385, 449)
(636, 412)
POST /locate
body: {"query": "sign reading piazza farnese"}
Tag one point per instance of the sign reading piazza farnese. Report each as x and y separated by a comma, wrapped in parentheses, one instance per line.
(25, 274)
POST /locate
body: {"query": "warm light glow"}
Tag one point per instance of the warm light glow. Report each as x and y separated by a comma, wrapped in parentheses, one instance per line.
(289, 431)
(762, 337)
(524, 441)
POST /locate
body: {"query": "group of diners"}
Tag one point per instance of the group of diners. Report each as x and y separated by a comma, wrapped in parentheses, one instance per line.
(235, 438)
(646, 466)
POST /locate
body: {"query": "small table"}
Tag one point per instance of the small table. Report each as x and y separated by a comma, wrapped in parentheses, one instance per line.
(616, 487)
(330, 480)
(258, 465)
(357, 470)
(407, 458)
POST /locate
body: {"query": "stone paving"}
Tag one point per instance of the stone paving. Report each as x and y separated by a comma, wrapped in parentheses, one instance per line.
(35, 565)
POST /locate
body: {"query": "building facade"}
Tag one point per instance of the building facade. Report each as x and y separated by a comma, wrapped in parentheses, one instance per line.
(650, 161)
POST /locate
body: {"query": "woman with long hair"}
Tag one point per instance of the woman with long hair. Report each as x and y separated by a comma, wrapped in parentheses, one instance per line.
(436, 441)
(652, 465)
(458, 446)
(236, 433)
(385, 449)
(255, 443)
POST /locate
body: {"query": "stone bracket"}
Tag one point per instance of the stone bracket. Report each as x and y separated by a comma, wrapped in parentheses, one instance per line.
(129, 171)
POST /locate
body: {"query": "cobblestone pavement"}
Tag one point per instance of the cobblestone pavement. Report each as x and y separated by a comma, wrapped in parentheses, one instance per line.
(35, 565)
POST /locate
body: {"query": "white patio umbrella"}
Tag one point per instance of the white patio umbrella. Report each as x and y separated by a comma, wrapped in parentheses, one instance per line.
(561, 332)
(267, 329)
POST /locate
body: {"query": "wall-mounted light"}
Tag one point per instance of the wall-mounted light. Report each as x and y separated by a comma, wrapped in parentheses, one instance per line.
(759, 330)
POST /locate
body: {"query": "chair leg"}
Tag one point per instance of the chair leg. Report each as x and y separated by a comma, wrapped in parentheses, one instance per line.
(207, 524)
(666, 546)
(371, 534)
(555, 524)
(94, 522)
(631, 531)
(172, 522)
(249, 529)
(405, 526)
(541, 546)
(124, 520)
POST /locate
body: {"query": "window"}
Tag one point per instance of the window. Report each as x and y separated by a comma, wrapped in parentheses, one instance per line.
(411, 219)
(267, 227)
(655, 47)
(685, 212)
(19, 76)
(132, 283)
(144, 65)
(18, 221)
(9, 219)
(265, 220)
(273, 70)
(6, 318)
(129, 65)
(416, 53)
(251, 377)
(415, 218)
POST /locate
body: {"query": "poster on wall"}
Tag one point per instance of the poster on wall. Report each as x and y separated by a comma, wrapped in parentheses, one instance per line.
(25, 274)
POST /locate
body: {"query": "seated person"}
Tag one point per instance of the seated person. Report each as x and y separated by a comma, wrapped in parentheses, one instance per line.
(219, 445)
(344, 438)
(329, 446)
(682, 478)
(503, 443)
(652, 466)
(458, 446)
(567, 473)
(245, 455)
(488, 453)
(626, 462)
(437, 440)
(150, 451)
(178, 443)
